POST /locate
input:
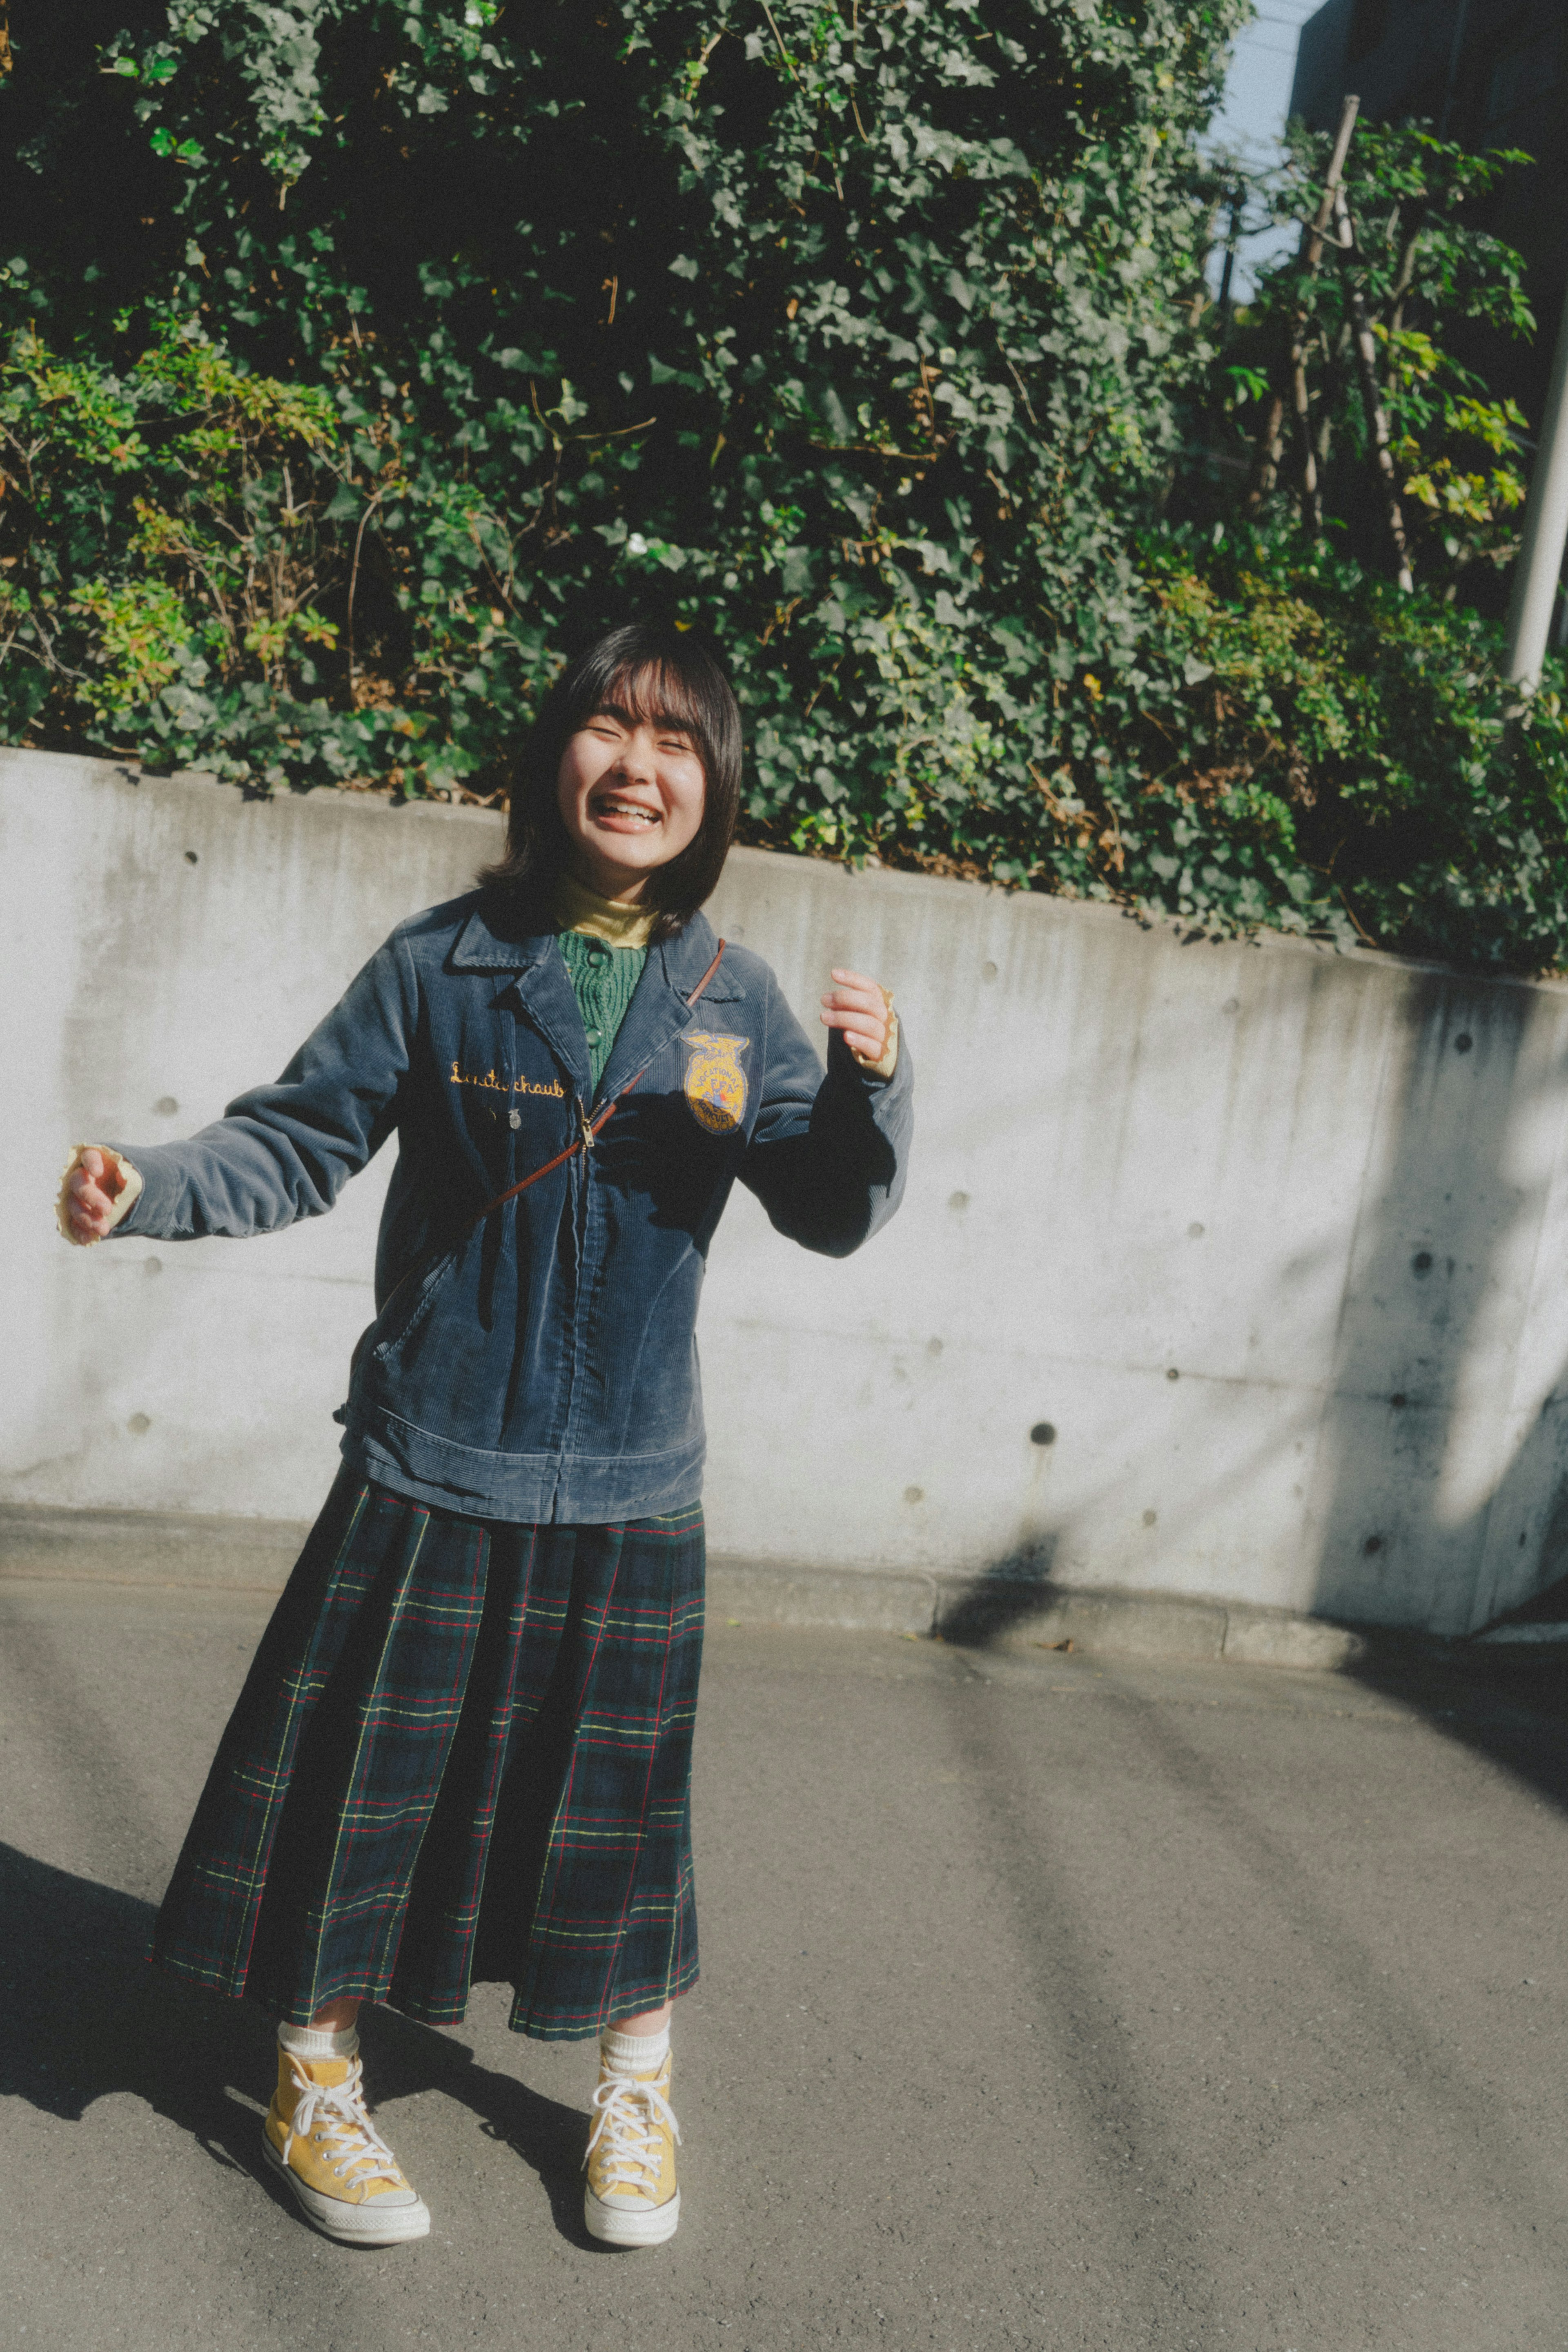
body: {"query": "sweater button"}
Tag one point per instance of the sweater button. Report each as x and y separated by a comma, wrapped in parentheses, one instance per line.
(592, 1036)
(514, 1119)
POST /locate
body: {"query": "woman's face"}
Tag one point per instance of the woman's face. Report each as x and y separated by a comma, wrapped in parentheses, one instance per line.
(631, 793)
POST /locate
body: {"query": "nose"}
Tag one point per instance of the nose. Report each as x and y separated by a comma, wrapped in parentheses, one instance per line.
(635, 761)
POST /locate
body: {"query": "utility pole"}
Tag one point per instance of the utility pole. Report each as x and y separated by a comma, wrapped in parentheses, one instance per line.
(1539, 564)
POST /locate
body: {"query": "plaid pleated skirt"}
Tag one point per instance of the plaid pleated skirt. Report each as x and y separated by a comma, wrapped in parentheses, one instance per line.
(461, 1754)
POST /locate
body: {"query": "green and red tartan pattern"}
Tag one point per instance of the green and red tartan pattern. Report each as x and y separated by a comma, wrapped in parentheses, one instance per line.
(463, 1753)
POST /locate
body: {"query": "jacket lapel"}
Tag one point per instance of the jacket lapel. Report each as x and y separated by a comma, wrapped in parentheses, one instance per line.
(538, 987)
(544, 996)
(658, 1011)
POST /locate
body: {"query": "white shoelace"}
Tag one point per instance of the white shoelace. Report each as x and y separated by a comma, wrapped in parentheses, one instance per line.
(345, 2130)
(626, 2113)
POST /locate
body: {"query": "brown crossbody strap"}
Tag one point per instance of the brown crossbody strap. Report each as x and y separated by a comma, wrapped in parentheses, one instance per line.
(590, 1128)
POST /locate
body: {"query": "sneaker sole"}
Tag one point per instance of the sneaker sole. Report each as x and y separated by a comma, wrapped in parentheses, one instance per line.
(631, 2225)
(350, 2225)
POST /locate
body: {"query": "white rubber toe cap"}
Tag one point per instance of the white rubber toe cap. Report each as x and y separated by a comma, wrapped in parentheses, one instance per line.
(632, 2223)
(384, 2220)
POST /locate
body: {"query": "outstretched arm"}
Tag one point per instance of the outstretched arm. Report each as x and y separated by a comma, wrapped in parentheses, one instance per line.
(279, 1152)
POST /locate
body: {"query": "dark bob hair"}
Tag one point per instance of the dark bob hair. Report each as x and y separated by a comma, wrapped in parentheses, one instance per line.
(655, 674)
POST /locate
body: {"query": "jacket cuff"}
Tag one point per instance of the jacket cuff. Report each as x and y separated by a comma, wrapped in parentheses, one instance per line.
(155, 1209)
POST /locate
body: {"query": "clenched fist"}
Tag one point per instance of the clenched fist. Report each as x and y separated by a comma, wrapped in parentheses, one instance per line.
(863, 1010)
(99, 1188)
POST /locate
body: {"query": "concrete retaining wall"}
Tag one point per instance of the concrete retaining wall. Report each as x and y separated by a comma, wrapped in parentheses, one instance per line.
(1232, 1271)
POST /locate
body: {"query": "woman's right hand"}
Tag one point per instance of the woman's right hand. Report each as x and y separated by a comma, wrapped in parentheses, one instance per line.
(95, 1192)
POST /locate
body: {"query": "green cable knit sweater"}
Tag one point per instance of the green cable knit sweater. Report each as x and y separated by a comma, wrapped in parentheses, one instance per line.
(603, 981)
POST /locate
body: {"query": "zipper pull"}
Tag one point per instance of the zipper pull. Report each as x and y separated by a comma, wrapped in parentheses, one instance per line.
(582, 1123)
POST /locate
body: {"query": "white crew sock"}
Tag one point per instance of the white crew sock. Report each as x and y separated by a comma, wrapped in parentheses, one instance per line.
(315, 2041)
(635, 2053)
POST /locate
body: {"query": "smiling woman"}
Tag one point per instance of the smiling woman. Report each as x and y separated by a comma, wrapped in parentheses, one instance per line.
(630, 779)
(470, 1718)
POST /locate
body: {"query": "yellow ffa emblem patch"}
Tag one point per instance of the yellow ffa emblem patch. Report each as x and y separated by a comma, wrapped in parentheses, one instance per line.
(715, 1083)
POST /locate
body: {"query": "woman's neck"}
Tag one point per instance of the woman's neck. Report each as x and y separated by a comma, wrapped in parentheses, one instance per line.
(615, 886)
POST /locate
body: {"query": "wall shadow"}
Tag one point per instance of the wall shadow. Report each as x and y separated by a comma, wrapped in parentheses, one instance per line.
(1001, 1598)
(1435, 1318)
(1506, 1705)
(1451, 1259)
(85, 2016)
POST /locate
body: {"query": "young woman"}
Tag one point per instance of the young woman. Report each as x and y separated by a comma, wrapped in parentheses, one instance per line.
(463, 1749)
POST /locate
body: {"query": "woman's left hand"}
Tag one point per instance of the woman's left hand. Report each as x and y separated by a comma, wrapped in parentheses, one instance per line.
(863, 1010)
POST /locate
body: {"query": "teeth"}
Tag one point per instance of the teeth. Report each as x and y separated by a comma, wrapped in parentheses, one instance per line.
(629, 808)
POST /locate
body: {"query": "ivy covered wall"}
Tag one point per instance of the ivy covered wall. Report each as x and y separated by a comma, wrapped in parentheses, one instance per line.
(364, 358)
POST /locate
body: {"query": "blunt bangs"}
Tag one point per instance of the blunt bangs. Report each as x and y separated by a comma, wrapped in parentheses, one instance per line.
(657, 677)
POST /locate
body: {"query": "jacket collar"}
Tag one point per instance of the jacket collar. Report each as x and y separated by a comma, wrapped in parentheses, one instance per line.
(484, 946)
(481, 947)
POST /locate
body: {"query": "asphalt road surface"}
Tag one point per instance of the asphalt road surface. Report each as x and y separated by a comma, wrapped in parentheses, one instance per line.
(1045, 2003)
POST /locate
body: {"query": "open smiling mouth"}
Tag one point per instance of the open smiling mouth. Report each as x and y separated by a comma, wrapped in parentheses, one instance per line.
(625, 812)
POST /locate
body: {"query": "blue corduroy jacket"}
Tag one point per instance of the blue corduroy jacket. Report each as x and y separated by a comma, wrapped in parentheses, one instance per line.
(544, 1364)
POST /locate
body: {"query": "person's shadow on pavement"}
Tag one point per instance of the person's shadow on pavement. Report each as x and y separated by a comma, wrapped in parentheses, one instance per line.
(85, 2016)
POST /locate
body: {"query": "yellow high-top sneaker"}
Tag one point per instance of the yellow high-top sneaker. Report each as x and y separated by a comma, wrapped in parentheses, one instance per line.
(318, 2137)
(632, 2199)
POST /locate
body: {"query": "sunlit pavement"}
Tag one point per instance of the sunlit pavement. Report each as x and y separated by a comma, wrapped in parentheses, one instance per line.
(1045, 2003)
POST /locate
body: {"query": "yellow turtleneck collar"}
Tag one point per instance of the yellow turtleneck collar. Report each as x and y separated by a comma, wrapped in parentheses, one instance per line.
(578, 909)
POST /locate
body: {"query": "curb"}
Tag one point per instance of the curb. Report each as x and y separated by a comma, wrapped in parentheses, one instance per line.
(172, 1549)
(173, 1552)
(996, 1613)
